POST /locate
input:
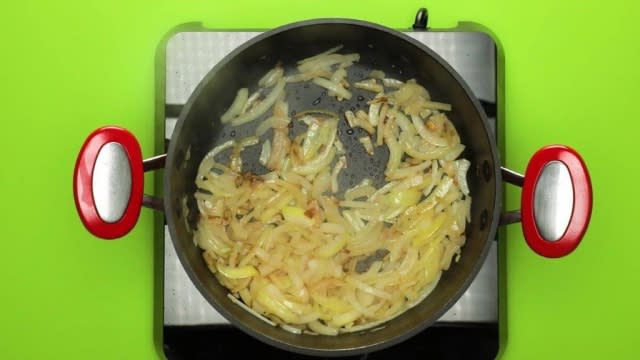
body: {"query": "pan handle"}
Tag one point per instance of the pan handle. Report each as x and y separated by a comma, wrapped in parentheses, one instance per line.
(108, 182)
(556, 200)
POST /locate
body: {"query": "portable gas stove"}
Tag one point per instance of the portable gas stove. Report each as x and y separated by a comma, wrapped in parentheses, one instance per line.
(191, 327)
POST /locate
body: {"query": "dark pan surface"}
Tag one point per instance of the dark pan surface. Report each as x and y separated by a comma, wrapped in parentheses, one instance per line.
(198, 130)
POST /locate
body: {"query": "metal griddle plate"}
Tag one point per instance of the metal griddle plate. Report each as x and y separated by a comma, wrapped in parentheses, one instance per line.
(190, 55)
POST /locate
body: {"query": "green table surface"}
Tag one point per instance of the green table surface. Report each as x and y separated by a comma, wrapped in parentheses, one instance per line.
(571, 74)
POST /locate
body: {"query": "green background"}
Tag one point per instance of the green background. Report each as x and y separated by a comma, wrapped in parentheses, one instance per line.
(571, 77)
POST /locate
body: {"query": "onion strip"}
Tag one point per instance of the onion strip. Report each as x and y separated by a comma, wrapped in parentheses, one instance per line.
(341, 164)
(271, 122)
(426, 134)
(333, 87)
(236, 106)
(261, 108)
(271, 77)
(322, 54)
(369, 85)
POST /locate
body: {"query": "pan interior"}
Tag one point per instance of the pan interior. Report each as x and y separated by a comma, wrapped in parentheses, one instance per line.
(198, 130)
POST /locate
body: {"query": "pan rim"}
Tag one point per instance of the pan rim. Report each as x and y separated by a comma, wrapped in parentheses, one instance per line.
(471, 275)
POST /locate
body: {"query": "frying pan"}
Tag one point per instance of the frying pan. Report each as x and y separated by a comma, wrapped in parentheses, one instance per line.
(556, 196)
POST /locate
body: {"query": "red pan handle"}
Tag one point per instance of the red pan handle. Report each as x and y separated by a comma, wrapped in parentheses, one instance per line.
(108, 182)
(556, 200)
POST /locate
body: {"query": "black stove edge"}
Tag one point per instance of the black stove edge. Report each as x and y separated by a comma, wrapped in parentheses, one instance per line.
(441, 341)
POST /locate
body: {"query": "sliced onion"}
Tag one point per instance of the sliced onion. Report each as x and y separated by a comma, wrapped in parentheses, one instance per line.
(322, 54)
(392, 83)
(442, 189)
(355, 222)
(365, 190)
(355, 121)
(380, 132)
(271, 77)
(279, 148)
(281, 107)
(407, 171)
(395, 151)
(296, 180)
(366, 142)
(377, 74)
(252, 101)
(339, 78)
(339, 147)
(322, 329)
(261, 108)
(334, 246)
(248, 141)
(265, 154)
(426, 134)
(305, 76)
(374, 113)
(356, 204)
(204, 169)
(296, 215)
(340, 164)
(327, 61)
(313, 139)
(325, 157)
(237, 273)
(382, 116)
(335, 88)
(462, 166)
(312, 115)
(236, 106)
(322, 183)
(437, 105)
(423, 154)
(332, 228)
(408, 129)
(271, 122)
(291, 329)
(317, 164)
(369, 85)
(455, 151)
(368, 288)
(235, 160)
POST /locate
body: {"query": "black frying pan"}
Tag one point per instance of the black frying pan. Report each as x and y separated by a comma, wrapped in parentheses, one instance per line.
(198, 130)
